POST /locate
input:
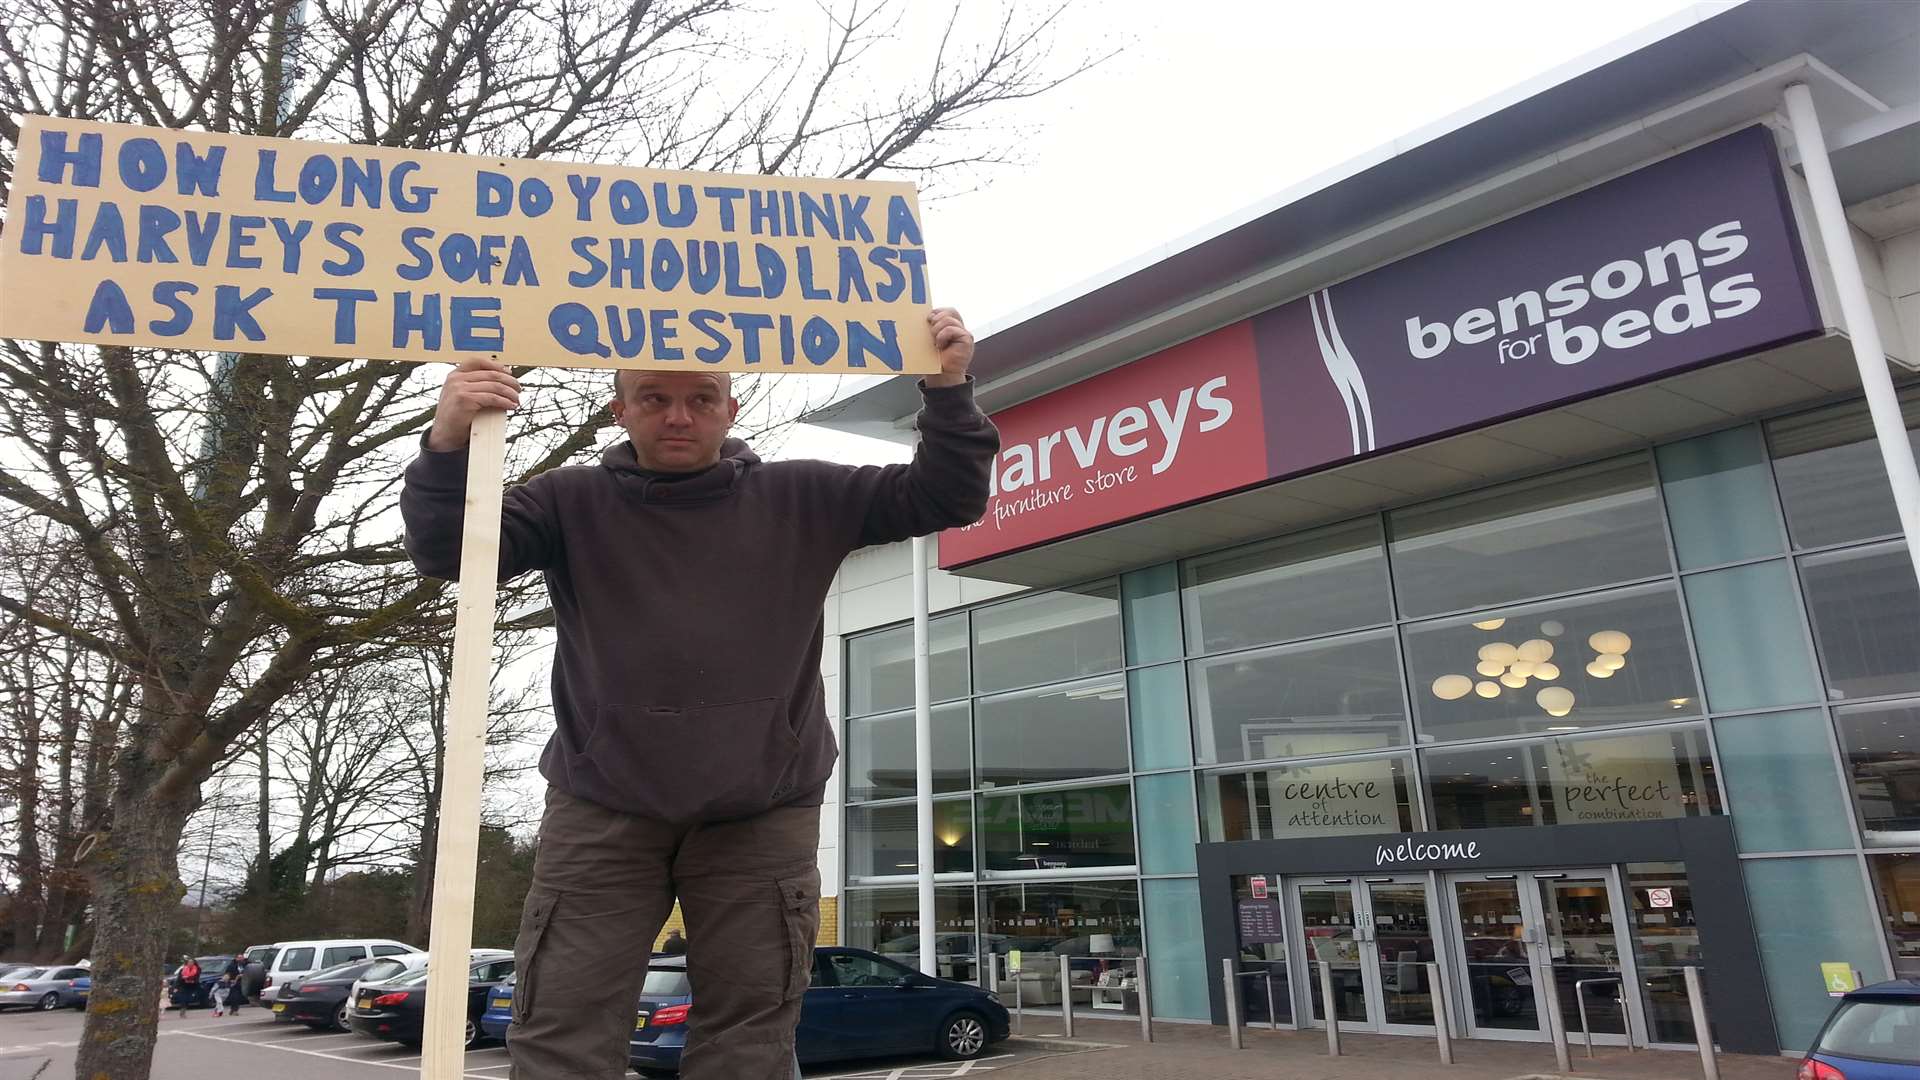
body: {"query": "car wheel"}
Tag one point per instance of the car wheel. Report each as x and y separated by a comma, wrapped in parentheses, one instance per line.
(473, 1034)
(964, 1037)
(340, 1018)
(51, 1001)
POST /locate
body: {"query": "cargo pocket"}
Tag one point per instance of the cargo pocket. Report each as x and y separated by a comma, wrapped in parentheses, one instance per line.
(526, 951)
(800, 916)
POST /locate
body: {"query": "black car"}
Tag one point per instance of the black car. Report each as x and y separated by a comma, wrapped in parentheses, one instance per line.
(318, 1000)
(397, 1011)
(199, 995)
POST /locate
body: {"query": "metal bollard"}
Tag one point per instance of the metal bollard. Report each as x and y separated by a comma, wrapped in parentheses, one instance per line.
(1557, 1024)
(1702, 1034)
(1232, 986)
(1327, 1006)
(1442, 1023)
(1019, 1005)
(1146, 1001)
(1066, 996)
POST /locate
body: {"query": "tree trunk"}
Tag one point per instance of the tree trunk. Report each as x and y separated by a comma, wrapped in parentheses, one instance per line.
(136, 891)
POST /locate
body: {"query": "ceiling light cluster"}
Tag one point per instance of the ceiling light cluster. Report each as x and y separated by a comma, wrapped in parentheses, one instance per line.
(1502, 664)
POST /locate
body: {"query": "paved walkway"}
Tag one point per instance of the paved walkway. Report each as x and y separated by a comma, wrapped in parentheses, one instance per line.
(1199, 1052)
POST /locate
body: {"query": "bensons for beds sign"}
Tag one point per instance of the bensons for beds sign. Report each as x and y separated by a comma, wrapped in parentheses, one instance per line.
(1688, 261)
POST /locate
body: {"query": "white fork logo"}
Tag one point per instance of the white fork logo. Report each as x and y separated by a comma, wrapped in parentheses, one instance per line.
(1344, 372)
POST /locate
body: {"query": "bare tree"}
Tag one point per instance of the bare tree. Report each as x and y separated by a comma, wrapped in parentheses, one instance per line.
(233, 523)
(62, 708)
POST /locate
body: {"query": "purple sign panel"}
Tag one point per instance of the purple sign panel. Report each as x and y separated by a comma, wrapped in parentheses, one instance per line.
(1686, 261)
(1260, 922)
(1682, 263)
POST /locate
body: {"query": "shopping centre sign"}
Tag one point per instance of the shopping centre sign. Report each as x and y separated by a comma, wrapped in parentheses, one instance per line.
(1688, 261)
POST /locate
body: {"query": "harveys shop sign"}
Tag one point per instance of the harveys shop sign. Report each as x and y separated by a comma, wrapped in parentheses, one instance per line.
(1685, 262)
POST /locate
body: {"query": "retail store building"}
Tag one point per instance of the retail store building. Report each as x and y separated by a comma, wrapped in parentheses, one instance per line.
(1480, 556)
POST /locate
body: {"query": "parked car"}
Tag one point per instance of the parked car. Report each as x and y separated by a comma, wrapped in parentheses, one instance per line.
(297, 959)
(1872, 1034)
(200, 994)
(390, 968)
(48, 988)
(397, 1011)
(319, 1000)
(499, 1011)
(859, 1004)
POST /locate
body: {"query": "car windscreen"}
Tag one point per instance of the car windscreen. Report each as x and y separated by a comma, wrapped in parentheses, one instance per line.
(28, 974)
(666, 982)
(411, 978)
(1876, 1030)
(339, 972)
(382, 970)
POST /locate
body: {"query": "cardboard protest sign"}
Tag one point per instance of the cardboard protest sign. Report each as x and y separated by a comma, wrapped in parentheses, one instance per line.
(127, 235)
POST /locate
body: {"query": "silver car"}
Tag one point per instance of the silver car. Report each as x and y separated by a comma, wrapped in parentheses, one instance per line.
(46, 987)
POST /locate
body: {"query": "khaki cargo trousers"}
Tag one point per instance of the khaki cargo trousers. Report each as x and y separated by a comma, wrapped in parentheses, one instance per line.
(603, 884)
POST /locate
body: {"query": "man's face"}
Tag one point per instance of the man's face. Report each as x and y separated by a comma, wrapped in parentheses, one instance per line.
(677, 420)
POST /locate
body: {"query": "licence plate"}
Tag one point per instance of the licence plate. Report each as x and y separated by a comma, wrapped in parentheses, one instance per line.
(280, 1008)
(639, 1023)
(365, 1002)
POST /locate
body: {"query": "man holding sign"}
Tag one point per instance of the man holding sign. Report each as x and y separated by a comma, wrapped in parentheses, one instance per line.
(692, 749)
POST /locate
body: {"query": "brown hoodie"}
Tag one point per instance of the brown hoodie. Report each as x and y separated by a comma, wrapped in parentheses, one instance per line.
(686, 677)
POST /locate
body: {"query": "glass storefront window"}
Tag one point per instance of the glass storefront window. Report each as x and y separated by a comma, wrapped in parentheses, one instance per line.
(1321, 697)
(1631, 776)
(1177, 956)
(1315, 583)
(887, 921)
(1896, 881)
(1260, 936)
(1047, 638)
(1785, 794)
(880, 758)
(880, 666)
(1090, 919)
(1050, 733)
(884, 840)
(1882, 745)
(1720, 501)
(1564, 665)
(1301, 799)
(1751, 636)
(1163, 805)
(1157, 712)
(1666, 940)
(1057, 830)
(1579, 529)
(1865, 606)
(1832, 481)
(1150, 605)
(1808, 912)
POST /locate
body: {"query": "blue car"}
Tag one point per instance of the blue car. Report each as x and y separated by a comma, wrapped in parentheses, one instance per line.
(859, 1005)
(499, 1010)
(1873, 1034)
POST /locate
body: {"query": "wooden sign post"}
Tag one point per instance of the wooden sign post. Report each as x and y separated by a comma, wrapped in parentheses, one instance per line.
(148, 237)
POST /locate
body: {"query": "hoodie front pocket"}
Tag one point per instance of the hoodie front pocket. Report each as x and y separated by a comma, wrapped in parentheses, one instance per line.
(705, 763)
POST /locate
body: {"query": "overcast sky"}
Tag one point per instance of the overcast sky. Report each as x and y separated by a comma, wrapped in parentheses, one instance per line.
(1212, 106)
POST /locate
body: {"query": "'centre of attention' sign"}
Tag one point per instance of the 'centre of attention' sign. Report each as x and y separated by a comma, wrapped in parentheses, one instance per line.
(125, 235)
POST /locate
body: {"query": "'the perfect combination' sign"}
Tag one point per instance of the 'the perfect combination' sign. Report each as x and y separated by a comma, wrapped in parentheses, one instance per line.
(129, 235)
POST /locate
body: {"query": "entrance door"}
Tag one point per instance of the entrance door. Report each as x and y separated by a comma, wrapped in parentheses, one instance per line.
(1515, 933)
(1377, 936)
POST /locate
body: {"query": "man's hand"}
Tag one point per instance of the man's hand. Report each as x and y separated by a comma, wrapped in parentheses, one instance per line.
(476, 383)
(955, 344)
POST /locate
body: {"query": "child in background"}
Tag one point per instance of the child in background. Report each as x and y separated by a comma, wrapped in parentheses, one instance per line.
(220, 991)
